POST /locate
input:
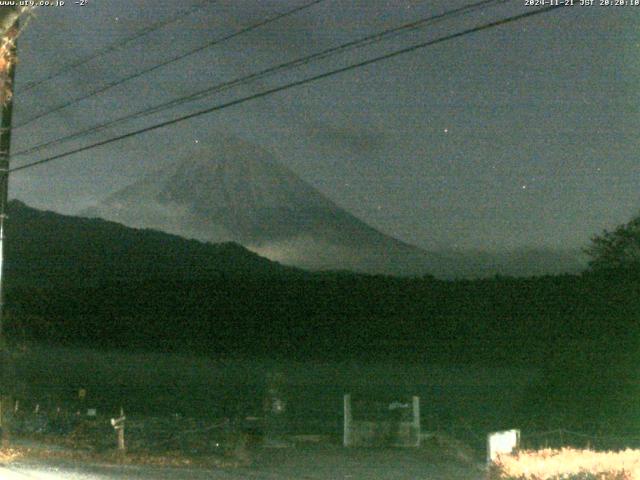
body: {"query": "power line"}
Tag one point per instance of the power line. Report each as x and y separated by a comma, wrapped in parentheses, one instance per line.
(118, 45)
(368, 40)
(281, 88)
(177, 58)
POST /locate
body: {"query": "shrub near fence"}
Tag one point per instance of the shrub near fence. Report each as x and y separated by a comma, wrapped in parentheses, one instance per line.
(176, 433)
(567, 464)
(158, 434)
(561, 438)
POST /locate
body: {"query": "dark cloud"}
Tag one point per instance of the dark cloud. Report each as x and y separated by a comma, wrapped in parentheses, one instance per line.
(354, 140)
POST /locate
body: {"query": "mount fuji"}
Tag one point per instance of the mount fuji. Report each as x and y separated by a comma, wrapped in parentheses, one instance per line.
(238, 192)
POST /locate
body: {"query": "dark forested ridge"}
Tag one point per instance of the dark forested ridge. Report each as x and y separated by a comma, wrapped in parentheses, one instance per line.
(94, 283)
(43, 247)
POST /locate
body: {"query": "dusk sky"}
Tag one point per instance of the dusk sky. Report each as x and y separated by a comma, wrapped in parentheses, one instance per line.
(521, 135)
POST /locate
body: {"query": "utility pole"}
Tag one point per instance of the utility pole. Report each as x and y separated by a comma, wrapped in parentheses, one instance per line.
(9, 33)
(7, 76)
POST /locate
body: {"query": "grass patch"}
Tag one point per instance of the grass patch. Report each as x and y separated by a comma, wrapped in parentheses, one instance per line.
(113, 457)
(94, 441)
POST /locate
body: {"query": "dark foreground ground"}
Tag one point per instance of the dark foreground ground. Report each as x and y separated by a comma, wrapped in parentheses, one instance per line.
(316, 462)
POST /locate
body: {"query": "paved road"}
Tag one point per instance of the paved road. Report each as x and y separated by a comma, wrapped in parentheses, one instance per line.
(95, 472)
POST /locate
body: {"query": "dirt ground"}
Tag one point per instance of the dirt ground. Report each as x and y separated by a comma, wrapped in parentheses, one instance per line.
(307, 462)
(325, 462)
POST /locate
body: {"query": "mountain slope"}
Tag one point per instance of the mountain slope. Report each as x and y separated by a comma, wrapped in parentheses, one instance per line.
(523, 262)
(237, 192)
(240, 193)
(44, 247)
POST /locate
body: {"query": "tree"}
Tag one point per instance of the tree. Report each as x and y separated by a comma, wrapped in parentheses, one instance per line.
(618, 249)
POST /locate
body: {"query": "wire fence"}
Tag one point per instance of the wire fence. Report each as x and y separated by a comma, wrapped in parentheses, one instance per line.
(144, 433)
(177, 432)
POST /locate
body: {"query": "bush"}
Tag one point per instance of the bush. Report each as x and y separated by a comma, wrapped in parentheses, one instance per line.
(567, 464)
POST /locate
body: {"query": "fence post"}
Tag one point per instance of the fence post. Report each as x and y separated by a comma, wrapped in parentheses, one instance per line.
(5, 422)
(416, 419)
(118, 425)
(121, 446)
(5, 437)
(347, 438)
